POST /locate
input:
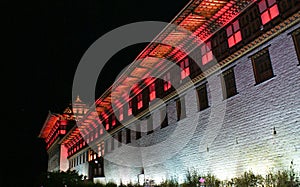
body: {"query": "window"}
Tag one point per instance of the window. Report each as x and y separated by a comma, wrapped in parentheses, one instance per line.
(167, 81)
(206, 53)
(128, 136)
(228, 84)
(296, 38)
(268, 10)
(202, 97)
(119, 138)
(138, 132)
(102, 149)
(180, 108)
(234, 34)
(101, 130)
(129, 108)
(185, 69)
(149, 125)
(152, 94)
(121, 116)
(87, 156)
(106, 124)
(140, 101)
(164, 118)
(113, 120)
(112, 143)
(262, 66)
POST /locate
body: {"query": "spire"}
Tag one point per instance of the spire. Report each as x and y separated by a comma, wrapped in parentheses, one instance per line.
(78, 100)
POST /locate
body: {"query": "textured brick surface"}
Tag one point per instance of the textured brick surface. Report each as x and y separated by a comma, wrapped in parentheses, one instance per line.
(232, 135)
(226, 139)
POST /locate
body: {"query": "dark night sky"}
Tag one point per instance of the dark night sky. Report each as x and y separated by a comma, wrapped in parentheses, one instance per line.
(45, 41)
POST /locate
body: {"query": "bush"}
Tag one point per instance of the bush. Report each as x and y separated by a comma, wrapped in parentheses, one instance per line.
(111, 184)
(286, 178)
(169, 183)
(192, 179)
(248, 179)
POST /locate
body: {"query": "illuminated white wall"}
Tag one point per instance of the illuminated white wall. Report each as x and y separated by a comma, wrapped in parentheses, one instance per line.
(245, 141)
(64, 163)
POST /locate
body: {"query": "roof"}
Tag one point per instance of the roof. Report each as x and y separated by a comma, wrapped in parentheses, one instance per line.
(48, 125)
(202, 18)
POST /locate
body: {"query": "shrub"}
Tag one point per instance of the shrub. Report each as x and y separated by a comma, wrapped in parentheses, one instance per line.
(248, 179)
(192, 179)
(286, 178)
(169, 183)
(111, 184)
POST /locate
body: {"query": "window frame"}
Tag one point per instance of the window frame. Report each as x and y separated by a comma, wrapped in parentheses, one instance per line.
(163, 118)
(295, 34)
(128, 135)
(234, 33)
(138, 133)
(139, 101)
(112, 143)
(129, 111)
(152, 92)
(167, 81)
(180, 108)
(120, 138)
(202, 94)
(206, 53)
(121, 113)
(259, 76)
(268, 10)
(185, 68)
(228, 82)
(149, 125)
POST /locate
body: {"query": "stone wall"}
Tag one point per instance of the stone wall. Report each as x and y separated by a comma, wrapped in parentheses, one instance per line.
(232, 135)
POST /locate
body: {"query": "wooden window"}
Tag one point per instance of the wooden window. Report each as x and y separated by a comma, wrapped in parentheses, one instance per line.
(167, 81)
(83, 157)
(202, 97)
(106, 124)
(228, 84)
(121, 116)
(112, 145)
(128, 136)
(185, 69)
(102, 149)
(206, 53)
(149, 125)
(119, 138)
(139, 101)
(129, 112)
(113, 120)
(152, 93)
(101, 130)
(268, 10)
(262, 66)
(164, 118)
(234, 34)
(138, 132)
(180, 108)
(296, 38)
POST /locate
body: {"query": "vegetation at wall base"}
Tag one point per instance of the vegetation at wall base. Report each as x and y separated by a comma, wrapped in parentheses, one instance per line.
(285, 178)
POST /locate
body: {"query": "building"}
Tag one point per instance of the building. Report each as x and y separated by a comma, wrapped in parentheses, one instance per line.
(233, 105)
(55, 128)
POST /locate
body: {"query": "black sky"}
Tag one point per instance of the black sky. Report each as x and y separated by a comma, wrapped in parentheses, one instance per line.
(44, 42)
